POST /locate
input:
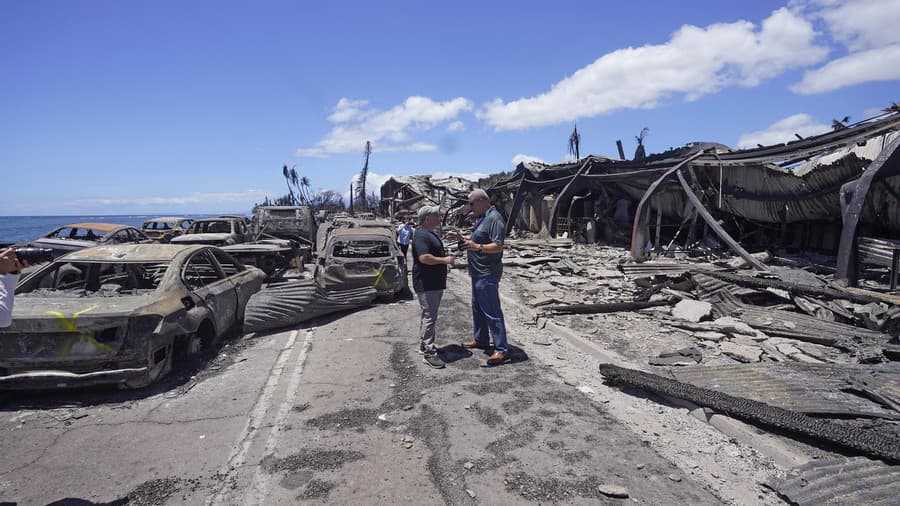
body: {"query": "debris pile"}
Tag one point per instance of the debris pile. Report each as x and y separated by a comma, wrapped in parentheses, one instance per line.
(783, 347)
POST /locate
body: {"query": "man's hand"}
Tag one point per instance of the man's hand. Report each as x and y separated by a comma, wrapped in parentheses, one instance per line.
(9, 262)
(472, 245)
(450, 260)
(455, 235)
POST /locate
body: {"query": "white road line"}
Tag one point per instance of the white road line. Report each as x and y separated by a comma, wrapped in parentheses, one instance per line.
(239, 453)
(258, 490)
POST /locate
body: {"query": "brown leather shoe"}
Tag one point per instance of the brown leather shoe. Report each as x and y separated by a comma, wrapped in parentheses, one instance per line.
(497, 358)
(475, 344)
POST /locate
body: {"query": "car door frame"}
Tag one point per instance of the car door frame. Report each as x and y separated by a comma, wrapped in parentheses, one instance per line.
(219, 297)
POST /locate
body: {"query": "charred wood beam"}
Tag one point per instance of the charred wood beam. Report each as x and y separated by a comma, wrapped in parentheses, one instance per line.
(866, 442)
(714, 225)
(611, 307)
(517, 204)
(792, 288)
(886, 164)
(642, 215)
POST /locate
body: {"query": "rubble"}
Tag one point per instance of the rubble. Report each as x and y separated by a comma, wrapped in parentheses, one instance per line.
(692, 310)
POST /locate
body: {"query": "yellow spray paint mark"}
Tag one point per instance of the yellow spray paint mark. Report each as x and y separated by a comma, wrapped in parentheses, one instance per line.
(380, 278)
(83, 337)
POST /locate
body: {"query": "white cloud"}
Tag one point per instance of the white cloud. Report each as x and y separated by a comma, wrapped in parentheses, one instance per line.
(694, 62)
(783, 131)
(373, 184)
(862, 24)
(456, 126)
(881, 64)
(390, 130)
(191, 198)
(868, 29)
(348, 109)
(522, 158)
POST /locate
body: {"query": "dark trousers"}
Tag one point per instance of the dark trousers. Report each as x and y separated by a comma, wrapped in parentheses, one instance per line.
(403, 248)
(487, 316)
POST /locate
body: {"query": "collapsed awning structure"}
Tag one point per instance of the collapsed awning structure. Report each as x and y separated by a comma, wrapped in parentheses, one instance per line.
(816, 194)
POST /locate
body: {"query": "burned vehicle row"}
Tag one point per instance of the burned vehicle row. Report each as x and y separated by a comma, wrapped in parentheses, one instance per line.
(115, 314)
(78, 236)
(216, 232)
(360, 253)
(164, 228)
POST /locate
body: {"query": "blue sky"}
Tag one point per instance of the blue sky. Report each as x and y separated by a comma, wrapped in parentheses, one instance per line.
(169, 107)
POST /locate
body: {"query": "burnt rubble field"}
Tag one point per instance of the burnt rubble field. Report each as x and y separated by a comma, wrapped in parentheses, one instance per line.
(755, 285)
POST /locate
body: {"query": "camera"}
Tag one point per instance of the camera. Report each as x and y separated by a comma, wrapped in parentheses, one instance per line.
(33, 255)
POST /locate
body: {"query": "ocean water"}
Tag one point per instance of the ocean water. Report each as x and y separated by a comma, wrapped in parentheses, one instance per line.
(28, 228)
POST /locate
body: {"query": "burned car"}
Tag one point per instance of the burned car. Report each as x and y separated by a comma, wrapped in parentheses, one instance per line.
(115, 314)
(216, 232)
(358, 254)
(164, 228)
(85, 235)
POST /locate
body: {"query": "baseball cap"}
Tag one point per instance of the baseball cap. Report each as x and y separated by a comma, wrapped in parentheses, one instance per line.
(427, 210)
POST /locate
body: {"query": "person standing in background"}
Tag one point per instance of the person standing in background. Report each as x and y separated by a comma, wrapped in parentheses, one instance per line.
(404, 235)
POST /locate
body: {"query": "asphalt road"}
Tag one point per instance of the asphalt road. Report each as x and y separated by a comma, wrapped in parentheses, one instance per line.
(342, 411)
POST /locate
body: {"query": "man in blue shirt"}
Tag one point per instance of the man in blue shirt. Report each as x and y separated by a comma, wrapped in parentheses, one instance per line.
(404, 236)
(485, 257)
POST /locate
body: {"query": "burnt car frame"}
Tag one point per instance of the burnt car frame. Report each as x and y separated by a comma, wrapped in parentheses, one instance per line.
(164, 228)
(120, 319)
(357, 254)
(77, 236)
(223, 231)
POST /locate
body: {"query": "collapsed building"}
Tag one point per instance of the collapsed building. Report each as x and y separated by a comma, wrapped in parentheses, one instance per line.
(402, 196)
(834, 193)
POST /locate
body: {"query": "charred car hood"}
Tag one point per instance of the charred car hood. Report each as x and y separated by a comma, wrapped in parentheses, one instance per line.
(63, 244)
(213, 239)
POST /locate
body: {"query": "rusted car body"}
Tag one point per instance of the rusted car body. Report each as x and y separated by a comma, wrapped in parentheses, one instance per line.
(216, 232)
(78, 236)
(164, 228)
(361, 253)
(119, 319)
(294, 223)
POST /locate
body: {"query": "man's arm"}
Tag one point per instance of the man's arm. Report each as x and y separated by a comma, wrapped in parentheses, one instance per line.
(429, 259)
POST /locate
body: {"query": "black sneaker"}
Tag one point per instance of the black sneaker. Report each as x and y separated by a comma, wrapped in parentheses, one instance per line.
(434, 361)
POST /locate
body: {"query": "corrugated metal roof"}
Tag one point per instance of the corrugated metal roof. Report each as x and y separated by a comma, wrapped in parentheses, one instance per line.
(808, 388)
(647, 269)
(290, 303)
(855, 480)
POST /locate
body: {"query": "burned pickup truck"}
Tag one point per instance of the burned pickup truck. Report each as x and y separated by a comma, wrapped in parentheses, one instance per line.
(360, 253)
(116, 314)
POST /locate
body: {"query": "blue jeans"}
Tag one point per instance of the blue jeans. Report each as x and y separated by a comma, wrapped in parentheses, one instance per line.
(486, 313)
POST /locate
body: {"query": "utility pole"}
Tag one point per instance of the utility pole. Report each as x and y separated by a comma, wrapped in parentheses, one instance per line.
(351, 199)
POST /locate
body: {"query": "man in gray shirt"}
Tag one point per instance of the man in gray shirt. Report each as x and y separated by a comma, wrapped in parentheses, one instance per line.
(485, 256)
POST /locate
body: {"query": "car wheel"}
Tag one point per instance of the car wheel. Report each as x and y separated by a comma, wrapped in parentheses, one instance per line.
(156, 371)
(207, 334)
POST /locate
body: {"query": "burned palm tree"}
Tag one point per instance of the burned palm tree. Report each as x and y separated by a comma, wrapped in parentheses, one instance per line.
(575, 143)
(361, 187)
(639, 152)
(287, 178)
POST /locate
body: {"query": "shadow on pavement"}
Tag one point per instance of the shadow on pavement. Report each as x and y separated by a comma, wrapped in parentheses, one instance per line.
(453, 352)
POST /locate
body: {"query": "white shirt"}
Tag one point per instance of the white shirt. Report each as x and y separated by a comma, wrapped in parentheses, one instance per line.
(7, 290)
